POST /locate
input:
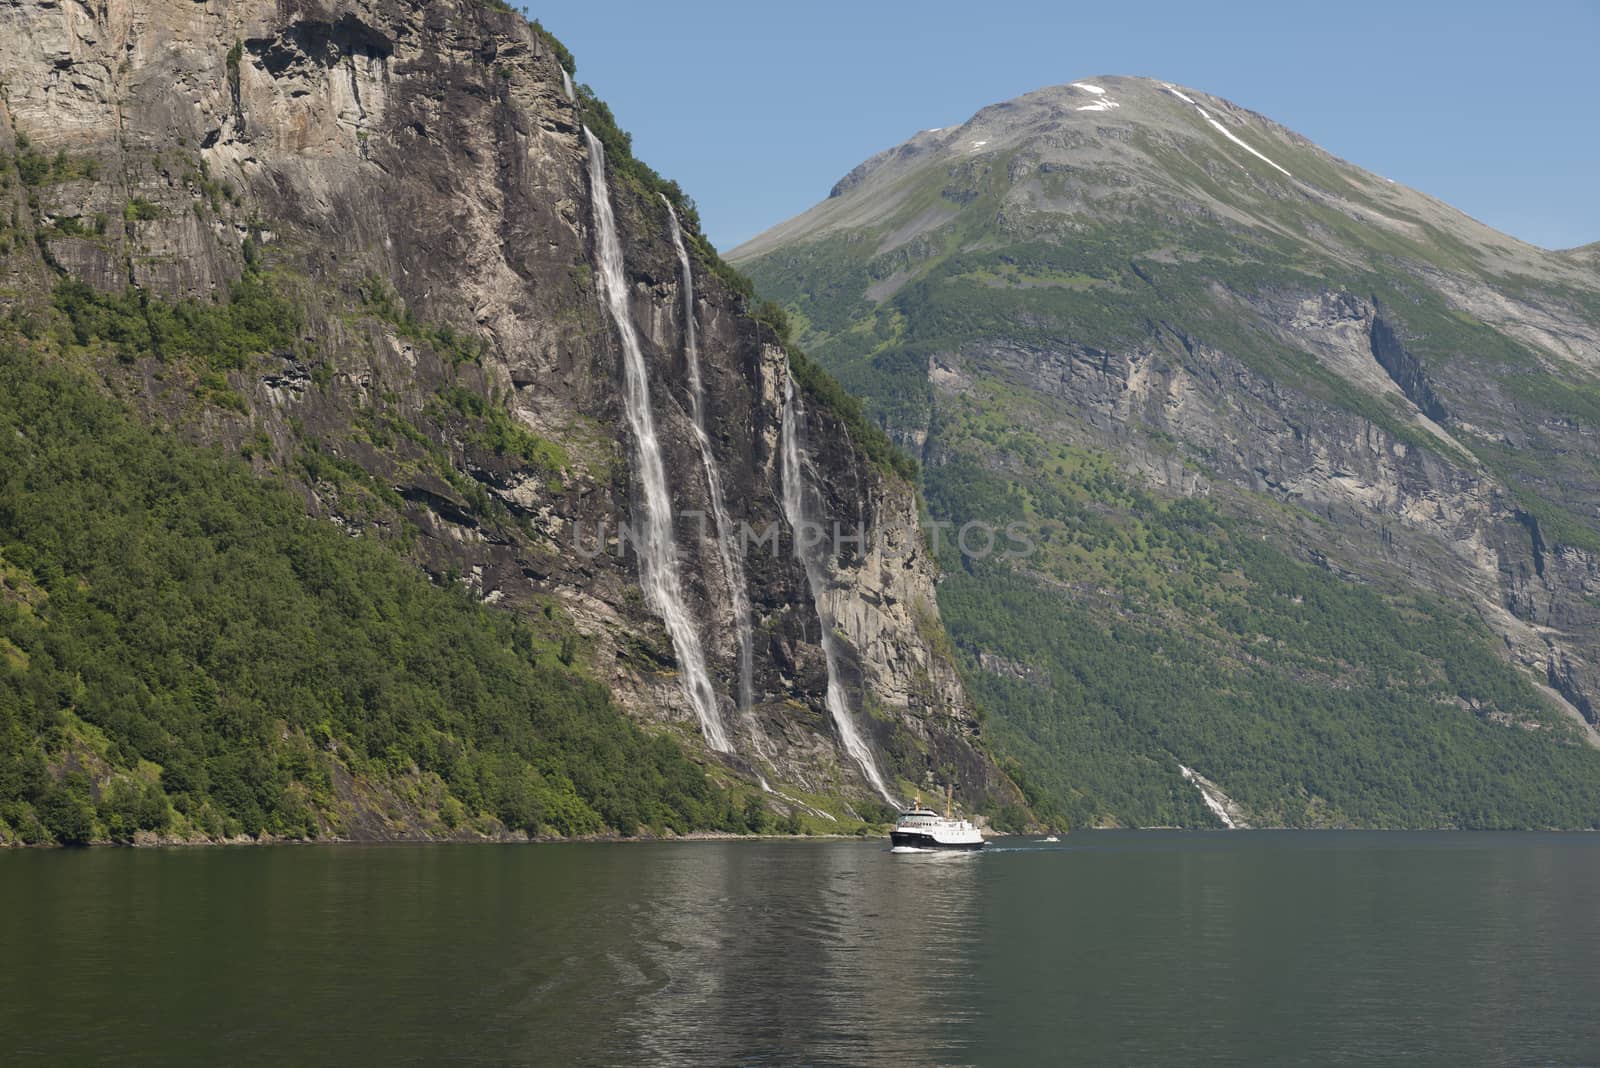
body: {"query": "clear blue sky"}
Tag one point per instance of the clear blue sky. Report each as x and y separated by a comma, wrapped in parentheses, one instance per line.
(758, 107)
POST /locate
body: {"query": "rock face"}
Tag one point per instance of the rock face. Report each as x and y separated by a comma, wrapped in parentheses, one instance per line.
(412, 177)
(1376, 383)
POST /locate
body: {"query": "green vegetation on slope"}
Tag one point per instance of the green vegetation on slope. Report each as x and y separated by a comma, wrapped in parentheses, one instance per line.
(254, 319)
(182, 649)
(1347, 710)
(1143, 632)
(1103, 287)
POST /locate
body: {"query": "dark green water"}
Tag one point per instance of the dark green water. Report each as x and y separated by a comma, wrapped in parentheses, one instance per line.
(1147, 948)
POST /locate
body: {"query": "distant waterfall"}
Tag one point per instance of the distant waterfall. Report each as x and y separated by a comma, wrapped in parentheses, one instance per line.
(728, 543)
(657, 549)
(566, 83)
(794, 509)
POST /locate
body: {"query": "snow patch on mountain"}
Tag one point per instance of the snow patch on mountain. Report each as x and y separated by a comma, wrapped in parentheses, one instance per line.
(1229, 134)
(1105, 103)
(1221, 129)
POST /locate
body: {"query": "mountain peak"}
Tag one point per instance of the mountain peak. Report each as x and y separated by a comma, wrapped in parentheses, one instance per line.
(1110, 147)
(1085, 102)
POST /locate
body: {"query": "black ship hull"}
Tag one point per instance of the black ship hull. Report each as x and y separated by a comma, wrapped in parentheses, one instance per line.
(927, 841)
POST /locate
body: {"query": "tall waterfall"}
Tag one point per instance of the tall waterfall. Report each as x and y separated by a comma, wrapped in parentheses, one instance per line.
(566, 83)
(728, 542)
(794, 509)
(656, 547)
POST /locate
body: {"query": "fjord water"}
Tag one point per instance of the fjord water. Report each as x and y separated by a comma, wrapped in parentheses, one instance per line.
(1134, 948)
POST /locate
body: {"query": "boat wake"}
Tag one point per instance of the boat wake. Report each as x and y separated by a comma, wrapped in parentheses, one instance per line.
(936, 856)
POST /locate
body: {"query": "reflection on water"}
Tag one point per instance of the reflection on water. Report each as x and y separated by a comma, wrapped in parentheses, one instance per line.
(1106, 948)
(796, 952)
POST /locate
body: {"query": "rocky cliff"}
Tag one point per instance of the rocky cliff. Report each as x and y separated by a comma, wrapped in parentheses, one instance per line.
(1119, 297)
(403, 187)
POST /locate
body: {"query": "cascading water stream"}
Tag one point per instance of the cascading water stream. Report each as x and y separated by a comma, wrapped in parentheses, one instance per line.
(728, 546)
(566, 83)
(794, 509)
(656, 547)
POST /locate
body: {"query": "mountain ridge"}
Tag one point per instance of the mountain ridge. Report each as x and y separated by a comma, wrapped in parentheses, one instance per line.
(1058, 101)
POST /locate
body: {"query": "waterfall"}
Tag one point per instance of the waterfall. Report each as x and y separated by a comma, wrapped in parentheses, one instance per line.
(656, 548)
(566, 83)
(794, 509)
(728, 544)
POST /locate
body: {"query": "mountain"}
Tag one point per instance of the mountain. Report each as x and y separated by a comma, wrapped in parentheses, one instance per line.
(1588, 255)
(337, 358)
(1307, 457)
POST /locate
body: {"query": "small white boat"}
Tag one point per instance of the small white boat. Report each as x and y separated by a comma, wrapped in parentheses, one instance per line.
(922, 829)
(1050, 838)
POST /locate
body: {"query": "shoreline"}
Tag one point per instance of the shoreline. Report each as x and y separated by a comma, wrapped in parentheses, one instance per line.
(153, 842)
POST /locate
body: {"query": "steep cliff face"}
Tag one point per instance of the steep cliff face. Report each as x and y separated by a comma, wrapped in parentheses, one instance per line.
(409, 183)
(1114, 298)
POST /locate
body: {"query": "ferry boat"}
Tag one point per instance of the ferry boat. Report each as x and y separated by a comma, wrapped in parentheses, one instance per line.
(923, 828)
